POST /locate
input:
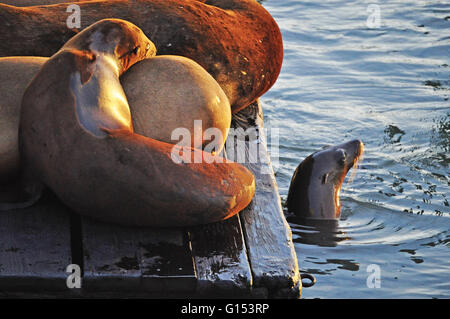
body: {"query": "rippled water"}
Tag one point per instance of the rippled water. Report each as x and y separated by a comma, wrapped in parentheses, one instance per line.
(389, 86)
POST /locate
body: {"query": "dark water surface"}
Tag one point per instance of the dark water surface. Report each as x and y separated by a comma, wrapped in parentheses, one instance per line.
(388, 85)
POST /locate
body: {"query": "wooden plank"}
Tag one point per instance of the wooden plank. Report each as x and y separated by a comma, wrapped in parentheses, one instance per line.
(267, 234)
(167, 263)
(110, 256)
(35, 247)
(118, 258)
(220, 259)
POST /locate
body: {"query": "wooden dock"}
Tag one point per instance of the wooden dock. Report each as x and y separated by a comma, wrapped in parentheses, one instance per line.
(250, 255)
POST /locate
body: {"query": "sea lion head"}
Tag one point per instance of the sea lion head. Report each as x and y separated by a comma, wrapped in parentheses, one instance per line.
(315, 186)
(116, 38)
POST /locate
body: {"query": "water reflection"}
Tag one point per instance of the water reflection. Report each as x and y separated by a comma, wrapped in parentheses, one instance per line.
(345, 264)
(325, 233)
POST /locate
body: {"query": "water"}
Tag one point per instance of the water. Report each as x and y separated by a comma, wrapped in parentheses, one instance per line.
(387, 85)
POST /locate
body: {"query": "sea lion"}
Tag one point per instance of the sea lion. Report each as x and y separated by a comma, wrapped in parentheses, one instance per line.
(76, 136)
(29, 3)
(166, 93)
(15, 74)
(315, 186)
(236, 41)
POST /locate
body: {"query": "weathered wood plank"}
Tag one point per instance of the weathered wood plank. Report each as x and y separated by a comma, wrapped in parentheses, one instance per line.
(110, 256)
(166, 263)
(132, 258)
(267, 234)
(220, 258)
(35, 247)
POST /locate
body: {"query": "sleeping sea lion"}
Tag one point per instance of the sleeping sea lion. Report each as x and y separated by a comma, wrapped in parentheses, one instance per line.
(15, 74)
(164, 93)
(76, 136)
(29, 3)
(315, 186)
(170, 92)
(236, 41)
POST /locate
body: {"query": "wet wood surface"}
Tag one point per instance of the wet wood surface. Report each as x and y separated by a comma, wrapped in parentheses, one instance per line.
(35, 247)
(267, 234)
(136, 259)
(248, 255)
(221, 259)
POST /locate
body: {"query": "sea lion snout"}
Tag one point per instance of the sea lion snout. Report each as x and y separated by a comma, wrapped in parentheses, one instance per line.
(138, 48)
(348, 154)
(354, 147)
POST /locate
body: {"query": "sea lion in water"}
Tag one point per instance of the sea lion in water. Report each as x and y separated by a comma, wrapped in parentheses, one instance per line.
(76, 137)
(15, 74)
(315, 186)
(236, 41)
(170, 92)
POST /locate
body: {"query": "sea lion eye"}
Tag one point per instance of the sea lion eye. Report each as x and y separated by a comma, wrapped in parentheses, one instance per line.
(341, 156)
(135, 51)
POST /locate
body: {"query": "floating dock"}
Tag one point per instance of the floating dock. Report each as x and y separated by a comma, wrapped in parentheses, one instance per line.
(250, 255)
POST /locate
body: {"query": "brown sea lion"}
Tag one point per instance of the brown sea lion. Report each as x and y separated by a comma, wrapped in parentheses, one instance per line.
(15, 74)
(166, 93)
(316, 184)
(29, 3)
(77, 138)
(236, 41)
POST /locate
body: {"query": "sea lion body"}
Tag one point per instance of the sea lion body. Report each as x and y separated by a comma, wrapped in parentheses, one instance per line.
(102, 168)
(316, 183)
(163, 92)
(166, 93)
(236, 41)
(15, 74)
(29, 3)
